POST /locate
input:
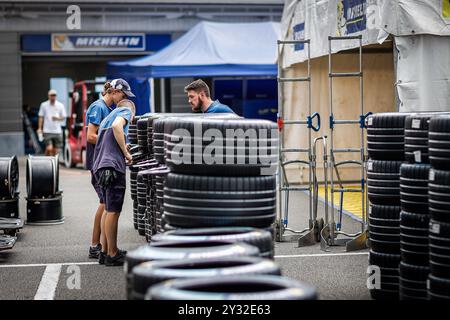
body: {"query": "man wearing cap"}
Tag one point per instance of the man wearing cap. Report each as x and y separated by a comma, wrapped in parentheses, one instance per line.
(52, 114)
(110, 158)
(114, 91)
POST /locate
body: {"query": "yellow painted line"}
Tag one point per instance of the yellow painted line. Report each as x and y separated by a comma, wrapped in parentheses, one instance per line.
(352, 200)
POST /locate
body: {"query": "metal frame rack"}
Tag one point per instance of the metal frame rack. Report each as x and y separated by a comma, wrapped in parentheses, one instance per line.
(331, 230)
(284, 186)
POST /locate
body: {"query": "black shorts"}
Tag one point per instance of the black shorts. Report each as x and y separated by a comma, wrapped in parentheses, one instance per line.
(54, 139)
(97, 188)
(114, 195)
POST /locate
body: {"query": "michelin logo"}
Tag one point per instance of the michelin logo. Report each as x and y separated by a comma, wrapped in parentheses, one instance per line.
(351, 16)
(107, 41)
(79, 42)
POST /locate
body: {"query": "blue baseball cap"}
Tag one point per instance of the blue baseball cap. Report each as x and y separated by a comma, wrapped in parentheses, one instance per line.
(122, 85)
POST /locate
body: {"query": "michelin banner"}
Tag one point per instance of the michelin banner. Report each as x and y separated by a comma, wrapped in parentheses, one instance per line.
(97, 42)
(316, 20)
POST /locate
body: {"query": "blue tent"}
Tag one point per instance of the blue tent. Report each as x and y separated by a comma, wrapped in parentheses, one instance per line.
(209, 49)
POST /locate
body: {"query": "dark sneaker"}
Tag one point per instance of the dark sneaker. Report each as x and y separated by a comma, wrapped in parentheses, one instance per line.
(101, 257)
(117, 260)
(95, 251)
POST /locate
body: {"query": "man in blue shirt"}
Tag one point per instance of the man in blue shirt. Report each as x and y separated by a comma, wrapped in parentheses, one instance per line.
(114, 91)
(109, 166)
(199, 98)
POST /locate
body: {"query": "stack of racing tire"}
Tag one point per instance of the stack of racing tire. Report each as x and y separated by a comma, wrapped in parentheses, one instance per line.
(10, 221)
(216, 214)
(142, 161)
(44, 198)
(217, 172)
(439, 207)
(147, 173)
(414, 217)
(385, 145)
(421, 257)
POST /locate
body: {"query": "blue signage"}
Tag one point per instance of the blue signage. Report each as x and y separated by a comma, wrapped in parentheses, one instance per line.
(98, 42)
(351, 16)
(299, 34)
(71, 42)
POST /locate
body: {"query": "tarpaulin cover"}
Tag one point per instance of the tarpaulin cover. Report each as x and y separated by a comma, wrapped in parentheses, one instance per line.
(210, 49)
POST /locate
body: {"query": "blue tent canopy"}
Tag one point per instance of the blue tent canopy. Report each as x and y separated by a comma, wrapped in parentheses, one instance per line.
(210, 49)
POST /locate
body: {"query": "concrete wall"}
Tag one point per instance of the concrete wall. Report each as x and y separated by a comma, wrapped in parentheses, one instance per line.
(11, 129)
(379, 96)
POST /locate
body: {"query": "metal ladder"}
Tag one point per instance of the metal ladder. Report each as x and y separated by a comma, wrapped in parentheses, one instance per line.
(284, 186)
(330, 232)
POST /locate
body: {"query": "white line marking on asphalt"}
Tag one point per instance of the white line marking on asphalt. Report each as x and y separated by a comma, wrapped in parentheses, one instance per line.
(49, 282)
(93, 263)
(323, 255)
(46, 264)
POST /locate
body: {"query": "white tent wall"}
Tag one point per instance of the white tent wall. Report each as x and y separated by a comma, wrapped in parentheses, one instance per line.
(379, 96)
(423, 72)
(421, 30)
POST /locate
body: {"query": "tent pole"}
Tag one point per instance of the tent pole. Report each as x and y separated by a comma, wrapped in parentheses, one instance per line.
(152, 94)
(163, 94)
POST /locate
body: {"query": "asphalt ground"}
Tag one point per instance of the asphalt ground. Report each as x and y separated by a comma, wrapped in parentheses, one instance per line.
(46, 260)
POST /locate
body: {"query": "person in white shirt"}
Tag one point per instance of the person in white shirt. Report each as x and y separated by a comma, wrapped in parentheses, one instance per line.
(52, 115)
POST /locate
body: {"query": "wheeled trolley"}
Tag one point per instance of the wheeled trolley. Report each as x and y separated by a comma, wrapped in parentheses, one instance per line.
(282, 229)
(332, 229)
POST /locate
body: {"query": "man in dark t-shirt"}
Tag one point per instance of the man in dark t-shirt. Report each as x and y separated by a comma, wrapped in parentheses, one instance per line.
(110, 158)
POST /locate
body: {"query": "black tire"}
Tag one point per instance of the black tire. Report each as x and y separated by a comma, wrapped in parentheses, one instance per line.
(155, 130)
(440, 265)
(45, 210)
(414, 254)
(384, 260)
(67, 152)
(439, 195)
(257, 287)
(439, 229)
(384, 295)
(385, 136)
(148, 274)
(390, 247)
(411, 294)
(384, 169)
(42, 176)
(141, 219)
(439, 286)
(262, 239)
(414, 273)
(202, 201)
(385, 154)
(384, 212)
(383, 182)
(416, 137)
(141, 124)
(187, 250)
(9, 208)
(415, 175)
(414, 288)
(387, 120)
(439, 142)
(384, 229)
(183, 251)
(247, 163)
(413, 220)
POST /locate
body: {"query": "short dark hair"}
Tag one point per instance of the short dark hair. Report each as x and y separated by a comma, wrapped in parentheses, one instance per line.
(198, 86)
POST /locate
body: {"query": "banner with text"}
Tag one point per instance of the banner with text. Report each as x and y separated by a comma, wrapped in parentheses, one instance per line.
(97, 42)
